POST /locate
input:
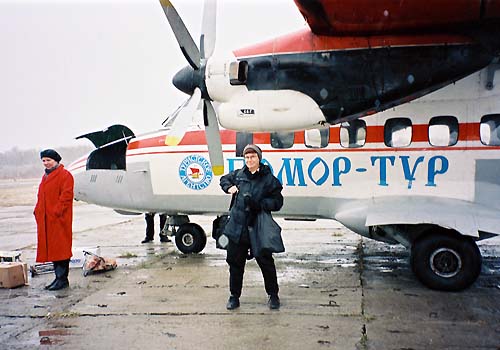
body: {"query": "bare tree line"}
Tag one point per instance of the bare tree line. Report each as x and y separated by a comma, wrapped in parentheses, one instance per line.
(24, 164)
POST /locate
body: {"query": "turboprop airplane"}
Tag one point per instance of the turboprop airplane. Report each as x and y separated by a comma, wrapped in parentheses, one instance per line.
(355, 59)
(423, 174)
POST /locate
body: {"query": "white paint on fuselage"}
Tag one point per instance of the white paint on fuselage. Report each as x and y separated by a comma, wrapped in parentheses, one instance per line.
(340, 183)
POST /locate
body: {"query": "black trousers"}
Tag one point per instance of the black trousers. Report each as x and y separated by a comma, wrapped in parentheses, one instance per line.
(150, 224)
(236, 258)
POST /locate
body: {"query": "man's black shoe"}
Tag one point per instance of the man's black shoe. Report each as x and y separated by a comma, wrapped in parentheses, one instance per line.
(233, 303)
(59, 284)
(147, 240)
(274, 302)
(164, 239)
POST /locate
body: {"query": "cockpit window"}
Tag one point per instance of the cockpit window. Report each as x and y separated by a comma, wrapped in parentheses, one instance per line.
(111, 157)
(353, 134)
(490, 129)
(397, 132)
(443, 131)
(282, 139)
(316, 138)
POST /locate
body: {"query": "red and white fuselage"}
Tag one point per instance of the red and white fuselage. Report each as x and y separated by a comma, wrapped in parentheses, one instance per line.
(437, 154)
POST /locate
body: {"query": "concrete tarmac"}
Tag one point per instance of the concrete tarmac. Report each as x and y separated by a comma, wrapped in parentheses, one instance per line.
(338, 291)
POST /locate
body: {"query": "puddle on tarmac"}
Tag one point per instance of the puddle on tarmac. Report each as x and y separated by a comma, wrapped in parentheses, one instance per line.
(490, 266)
(342, 260)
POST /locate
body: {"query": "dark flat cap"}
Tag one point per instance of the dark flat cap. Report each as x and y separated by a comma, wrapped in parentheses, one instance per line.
(50, 153)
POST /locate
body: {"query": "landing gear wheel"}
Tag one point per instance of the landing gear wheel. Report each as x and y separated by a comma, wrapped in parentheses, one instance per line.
(190, 238)
(445, 261)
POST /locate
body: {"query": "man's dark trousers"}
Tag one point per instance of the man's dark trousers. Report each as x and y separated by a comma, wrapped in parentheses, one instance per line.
(237, 257)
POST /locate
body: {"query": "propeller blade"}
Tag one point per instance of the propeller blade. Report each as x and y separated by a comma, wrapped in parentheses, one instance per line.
(185, 40)
(212, 135)
(208, 29)
(183, 119)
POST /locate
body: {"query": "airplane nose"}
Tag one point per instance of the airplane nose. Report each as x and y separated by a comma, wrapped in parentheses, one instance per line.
(184, 80)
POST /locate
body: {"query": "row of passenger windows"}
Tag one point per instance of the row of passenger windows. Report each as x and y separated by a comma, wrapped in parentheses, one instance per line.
(398, 132)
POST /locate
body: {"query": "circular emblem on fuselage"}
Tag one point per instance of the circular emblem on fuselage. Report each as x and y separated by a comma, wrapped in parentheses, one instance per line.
(195, 172)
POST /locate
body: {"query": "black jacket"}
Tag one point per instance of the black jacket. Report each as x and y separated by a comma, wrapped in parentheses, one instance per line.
(261, 189)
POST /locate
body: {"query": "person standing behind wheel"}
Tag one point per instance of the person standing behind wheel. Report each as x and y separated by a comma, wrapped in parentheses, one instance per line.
(150, 228)
(255, 188)
(54, 218)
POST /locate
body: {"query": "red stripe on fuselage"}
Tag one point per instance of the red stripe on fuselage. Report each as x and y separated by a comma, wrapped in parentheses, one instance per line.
(190, 138)
(304, 41)
(339, 150)
(374, 134)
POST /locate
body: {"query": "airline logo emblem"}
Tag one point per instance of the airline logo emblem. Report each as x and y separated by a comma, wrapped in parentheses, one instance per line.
(195, 172)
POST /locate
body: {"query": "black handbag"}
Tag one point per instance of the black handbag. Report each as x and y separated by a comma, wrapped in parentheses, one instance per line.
(218, 226)
(265, 235)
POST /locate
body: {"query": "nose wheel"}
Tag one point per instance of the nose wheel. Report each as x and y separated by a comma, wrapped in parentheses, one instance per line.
(190, 238)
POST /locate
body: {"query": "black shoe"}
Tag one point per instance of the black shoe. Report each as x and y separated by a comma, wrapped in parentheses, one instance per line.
(51, 284)
(164, 239)
(147, 240)
(233, 303)
(274, 302)
(59, 284)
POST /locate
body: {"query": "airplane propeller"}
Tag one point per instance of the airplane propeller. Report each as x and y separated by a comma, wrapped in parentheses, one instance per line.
(191, 80)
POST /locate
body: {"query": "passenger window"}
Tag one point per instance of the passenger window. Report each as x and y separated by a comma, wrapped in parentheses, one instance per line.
(353, 133)
(443, 131)
(397, 132)
(282, 139)
(490, 130)
(317, 138)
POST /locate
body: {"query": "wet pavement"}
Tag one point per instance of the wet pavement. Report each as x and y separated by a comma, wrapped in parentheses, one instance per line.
(338, 291)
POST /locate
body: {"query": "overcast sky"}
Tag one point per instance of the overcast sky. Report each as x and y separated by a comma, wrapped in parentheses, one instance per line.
(70, 67)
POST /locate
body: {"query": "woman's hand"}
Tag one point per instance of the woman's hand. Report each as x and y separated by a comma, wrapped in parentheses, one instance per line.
(232, 190)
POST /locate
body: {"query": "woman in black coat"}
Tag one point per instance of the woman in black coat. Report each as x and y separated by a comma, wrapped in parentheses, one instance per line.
(255, 188)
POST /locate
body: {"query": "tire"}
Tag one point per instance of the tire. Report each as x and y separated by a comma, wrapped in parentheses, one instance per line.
(202, 241)
(190, 238)
(445, 261)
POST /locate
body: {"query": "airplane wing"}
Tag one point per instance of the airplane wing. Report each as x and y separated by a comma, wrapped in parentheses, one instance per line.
(358, 17)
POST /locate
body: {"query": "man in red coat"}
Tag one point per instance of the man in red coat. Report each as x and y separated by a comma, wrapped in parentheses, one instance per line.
(54, 218)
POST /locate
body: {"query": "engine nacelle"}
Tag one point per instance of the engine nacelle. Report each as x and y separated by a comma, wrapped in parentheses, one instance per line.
(276, 110)
(242, 109)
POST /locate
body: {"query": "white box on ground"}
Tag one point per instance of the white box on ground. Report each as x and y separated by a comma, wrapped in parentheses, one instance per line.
(78, 257)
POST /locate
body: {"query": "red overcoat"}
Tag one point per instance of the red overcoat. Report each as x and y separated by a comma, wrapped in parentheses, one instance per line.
(54, 216)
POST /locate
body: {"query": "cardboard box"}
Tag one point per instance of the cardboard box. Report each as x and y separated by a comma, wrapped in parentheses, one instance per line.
(13, 274)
